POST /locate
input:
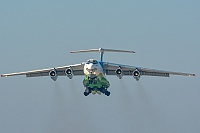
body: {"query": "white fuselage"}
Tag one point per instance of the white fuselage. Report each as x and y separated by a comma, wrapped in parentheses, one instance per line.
(93, 68)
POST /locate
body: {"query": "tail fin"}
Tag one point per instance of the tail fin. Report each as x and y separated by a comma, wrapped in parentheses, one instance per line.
(101, 51)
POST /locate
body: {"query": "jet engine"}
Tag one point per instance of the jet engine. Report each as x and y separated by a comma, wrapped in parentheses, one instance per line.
(119, 73)
(136, 74)
(69, 73)
(53, 74)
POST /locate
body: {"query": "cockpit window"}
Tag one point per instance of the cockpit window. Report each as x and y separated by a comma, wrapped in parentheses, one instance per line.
(92, 61)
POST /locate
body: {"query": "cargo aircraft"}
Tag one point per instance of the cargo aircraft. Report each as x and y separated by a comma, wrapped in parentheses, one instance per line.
(95, 72)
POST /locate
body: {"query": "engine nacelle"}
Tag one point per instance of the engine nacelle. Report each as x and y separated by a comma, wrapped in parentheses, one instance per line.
(53, 74)
(69, 72)
(119, 73)
(136, 74)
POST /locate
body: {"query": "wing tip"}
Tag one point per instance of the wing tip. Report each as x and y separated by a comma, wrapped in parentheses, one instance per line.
(192, 75)
(3, 75)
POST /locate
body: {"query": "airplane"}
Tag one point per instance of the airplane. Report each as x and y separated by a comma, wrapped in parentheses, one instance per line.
(95, 72)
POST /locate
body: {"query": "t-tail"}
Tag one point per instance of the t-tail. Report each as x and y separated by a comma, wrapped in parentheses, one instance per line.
(101, 51)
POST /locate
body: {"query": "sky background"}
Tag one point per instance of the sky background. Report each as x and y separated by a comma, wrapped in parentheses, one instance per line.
(38, 34)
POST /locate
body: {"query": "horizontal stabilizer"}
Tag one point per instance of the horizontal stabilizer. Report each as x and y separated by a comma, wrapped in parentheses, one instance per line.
(101, 50)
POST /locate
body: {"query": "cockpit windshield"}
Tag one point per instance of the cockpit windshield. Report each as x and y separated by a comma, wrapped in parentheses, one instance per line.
(92, 61)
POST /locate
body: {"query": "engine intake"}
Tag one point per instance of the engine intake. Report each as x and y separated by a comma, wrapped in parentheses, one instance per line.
(69, 72)
(53, 74)
(136, 74)
(119, 73)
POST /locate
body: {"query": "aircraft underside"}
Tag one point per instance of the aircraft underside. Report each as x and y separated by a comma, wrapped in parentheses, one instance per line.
(96, 85)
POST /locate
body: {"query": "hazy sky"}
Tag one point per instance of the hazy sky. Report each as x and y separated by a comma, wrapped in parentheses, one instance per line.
(39, 34)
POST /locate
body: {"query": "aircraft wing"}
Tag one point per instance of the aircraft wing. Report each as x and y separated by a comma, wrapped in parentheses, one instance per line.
(77, 70)
(110, 69)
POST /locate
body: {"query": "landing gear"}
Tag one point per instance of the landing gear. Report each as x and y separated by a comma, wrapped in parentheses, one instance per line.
(96, 90)
(86, 94)
(87, 91)
(107, 93)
